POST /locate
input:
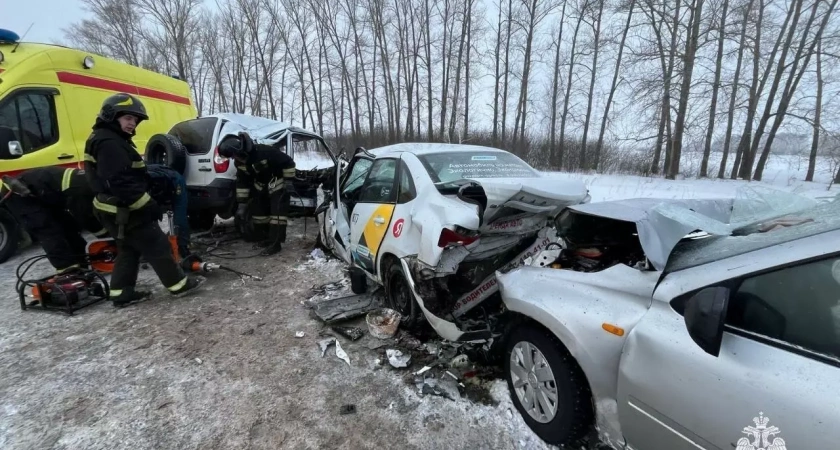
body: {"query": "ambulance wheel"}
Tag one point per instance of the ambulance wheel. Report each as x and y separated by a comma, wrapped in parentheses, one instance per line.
(400, 298)
(9, 236)
(167, 150)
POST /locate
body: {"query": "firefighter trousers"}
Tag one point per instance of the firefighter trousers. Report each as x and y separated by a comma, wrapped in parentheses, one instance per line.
(271, 210)
(150, 242)
(54, 228)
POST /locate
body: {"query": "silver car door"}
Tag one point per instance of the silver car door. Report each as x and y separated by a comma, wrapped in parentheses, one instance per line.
(774, 380)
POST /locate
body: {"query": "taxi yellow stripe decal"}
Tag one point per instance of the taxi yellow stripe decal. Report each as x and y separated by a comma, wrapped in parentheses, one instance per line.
(373, 232)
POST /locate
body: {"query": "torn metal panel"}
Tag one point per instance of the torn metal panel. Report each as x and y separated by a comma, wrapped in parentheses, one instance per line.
(519, 224)
(489, 286)
(445, 329)
(491, 246)
(342, 308)
(450, 259)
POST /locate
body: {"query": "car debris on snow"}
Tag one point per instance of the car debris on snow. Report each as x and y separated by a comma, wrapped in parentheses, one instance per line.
(443, 387)
(324, 344)
(352, 333)
(340, 353)
(459, 361)
(347, 409)
(423, 370)
(333, 310)
(397, 358)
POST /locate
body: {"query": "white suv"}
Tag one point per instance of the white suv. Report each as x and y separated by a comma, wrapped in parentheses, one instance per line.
(191, 148)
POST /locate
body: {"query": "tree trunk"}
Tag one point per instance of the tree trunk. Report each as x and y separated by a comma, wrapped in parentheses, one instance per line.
(446, 65)
(599, 145)
(453, 117)
(688, 69)
(497, 78)
(555, 94)
(430, 125)
(815, 141)
(793, 82)
(727, 140)
(669, 135)
(507, 73)
(593, 72)
(568, 96)
(522, 107)
(707, 148)
(465, 134)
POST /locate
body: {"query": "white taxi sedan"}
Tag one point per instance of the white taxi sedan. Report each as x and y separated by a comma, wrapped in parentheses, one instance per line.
(432, 223)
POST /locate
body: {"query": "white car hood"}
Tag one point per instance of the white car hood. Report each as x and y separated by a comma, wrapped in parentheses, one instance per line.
(541, 196)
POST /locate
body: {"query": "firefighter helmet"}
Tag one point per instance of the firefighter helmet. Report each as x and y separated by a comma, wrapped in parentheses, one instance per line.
(121, 104)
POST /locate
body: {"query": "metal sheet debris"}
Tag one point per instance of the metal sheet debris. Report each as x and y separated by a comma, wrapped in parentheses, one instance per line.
(300, 334)
(352, 333)
(442, 387)
(324, 344)
(337, 309)
(397, 358)
(347, 409)
(340, 353)
(423, 370)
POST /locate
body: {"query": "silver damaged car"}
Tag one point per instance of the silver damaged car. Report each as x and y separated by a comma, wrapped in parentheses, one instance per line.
(682, 324)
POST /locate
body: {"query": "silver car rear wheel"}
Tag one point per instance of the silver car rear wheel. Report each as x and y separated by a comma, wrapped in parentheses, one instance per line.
(533, 382)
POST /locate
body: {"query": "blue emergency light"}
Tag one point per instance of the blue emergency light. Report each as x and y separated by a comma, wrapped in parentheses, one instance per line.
(8, 37)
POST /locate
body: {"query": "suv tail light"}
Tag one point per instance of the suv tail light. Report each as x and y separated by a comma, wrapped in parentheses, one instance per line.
(220, 163)
(449, 237)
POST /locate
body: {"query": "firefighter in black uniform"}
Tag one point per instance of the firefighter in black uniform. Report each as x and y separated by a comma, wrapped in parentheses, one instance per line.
(54, 205)
(268, 173)
(118, 176)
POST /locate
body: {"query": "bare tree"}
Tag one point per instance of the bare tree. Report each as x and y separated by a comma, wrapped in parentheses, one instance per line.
(710, 131)
(815, 140)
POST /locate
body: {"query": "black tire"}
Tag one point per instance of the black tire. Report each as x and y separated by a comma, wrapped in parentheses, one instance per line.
(574, 415)
(9, 236)
(167, 150)
(400, 298)
(201, 220)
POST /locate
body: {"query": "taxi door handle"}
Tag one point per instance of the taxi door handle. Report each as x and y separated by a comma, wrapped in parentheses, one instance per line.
(378, 220)
(64, 156)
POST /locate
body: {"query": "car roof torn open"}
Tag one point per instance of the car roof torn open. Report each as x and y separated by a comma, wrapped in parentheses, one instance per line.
(662, 223)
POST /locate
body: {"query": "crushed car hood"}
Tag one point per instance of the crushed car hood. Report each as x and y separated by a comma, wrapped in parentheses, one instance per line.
(659, 233)
(540, 196)
(662, 223)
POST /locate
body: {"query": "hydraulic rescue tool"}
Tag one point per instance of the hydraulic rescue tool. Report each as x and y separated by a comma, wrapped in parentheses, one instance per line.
(103, 252)
(69, 291)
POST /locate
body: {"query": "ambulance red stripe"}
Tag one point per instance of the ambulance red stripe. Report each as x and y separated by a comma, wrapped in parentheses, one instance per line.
(99, 83)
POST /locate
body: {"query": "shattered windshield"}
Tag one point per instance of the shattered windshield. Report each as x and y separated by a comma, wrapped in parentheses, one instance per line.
(453, 166)
(758, 229)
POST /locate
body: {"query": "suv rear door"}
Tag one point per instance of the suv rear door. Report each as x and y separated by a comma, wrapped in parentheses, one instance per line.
(197, 135)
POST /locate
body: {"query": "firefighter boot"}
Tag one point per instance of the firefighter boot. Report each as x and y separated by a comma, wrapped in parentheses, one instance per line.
(192, 285)
(276, 239)
(128, 296)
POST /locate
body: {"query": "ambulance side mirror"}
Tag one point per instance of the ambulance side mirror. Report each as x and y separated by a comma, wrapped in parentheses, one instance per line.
(15, 149)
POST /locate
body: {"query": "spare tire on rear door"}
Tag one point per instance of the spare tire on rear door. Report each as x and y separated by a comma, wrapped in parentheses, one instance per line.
(167, 150)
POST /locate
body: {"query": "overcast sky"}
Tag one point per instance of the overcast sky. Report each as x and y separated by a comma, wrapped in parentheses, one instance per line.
(47, 17)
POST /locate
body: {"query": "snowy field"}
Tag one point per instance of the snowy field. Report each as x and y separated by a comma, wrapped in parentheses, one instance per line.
(783, 172)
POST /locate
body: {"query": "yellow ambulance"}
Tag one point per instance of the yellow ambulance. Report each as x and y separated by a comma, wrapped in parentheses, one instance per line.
(49, 98)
